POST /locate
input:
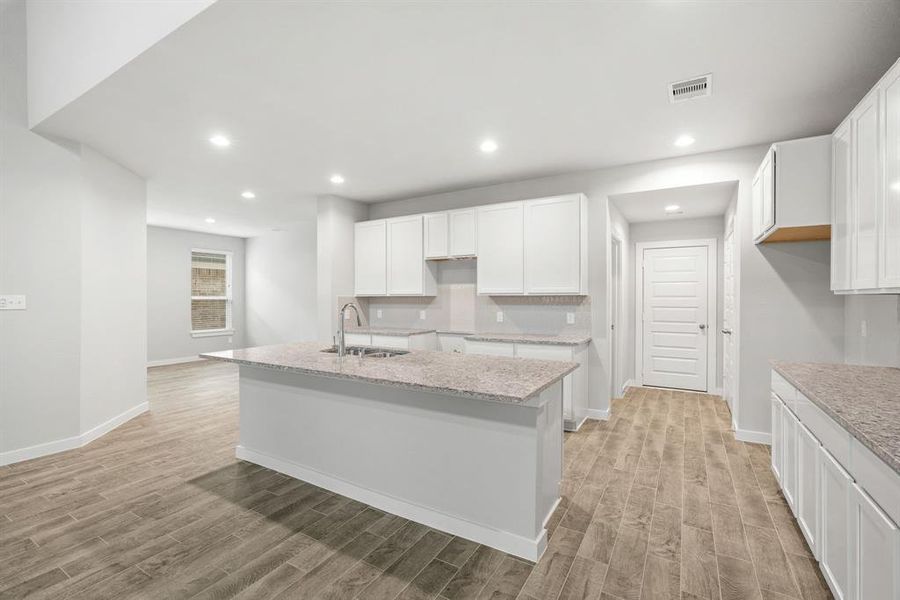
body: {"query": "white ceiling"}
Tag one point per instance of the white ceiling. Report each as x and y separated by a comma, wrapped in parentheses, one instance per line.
(696, 201)
(396, 96)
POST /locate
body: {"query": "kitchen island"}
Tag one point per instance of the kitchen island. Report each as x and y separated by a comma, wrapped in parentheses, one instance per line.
(471, 445)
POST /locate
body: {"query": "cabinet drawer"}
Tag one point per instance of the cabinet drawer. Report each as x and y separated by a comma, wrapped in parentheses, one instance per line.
(783, 389)
(490, 348)
(832, 436)
(878, 479)
(391, 341)
(357, 339)
(544, 352)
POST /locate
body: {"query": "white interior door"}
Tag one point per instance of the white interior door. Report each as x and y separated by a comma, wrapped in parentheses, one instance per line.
(675, 311)
(728, 322)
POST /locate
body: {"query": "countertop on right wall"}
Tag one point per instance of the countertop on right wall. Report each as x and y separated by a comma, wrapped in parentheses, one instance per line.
(864, 400)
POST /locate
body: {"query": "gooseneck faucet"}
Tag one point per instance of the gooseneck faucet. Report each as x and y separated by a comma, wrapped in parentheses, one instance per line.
(342, 347)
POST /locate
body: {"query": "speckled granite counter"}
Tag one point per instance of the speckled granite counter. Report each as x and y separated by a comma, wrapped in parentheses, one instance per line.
(495, 379)
(399, 331)
(863, 400)
(561, 339)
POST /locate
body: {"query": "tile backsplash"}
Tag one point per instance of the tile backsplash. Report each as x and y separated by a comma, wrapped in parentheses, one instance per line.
(457, 307)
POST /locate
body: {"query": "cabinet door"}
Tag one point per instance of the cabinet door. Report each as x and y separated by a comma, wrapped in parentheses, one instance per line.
(777, 440)
(462, 232)
(841, 194)
(405, 273)
(875, 551)
(889, 234)
(789, 427)
(866, 168)
(756, 205)
(370, 258)
(834, 555)
(501, 253)
(553, 245)
(436, 236)
(767, 188)
(808, 487)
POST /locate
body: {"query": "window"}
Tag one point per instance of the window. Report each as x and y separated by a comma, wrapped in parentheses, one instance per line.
(210, 293)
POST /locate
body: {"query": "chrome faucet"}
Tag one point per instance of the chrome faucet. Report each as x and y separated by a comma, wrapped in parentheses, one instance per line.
(341, 346)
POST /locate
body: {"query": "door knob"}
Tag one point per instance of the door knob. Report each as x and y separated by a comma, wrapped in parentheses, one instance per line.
(702, 326)
(726, 331)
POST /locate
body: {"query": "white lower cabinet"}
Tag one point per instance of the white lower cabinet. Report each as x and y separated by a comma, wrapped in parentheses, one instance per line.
(874, 551)
(808, 509)
(574, 385)
(777, 440)
(845, 499)
(789, 426)
(835, 553)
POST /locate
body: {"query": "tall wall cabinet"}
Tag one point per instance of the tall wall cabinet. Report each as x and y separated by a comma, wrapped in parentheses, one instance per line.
(866, 193)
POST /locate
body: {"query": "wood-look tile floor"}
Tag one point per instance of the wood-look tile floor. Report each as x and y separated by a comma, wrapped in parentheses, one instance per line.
(658, 502)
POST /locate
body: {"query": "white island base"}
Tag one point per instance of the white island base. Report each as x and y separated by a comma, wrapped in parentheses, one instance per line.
(485, 471)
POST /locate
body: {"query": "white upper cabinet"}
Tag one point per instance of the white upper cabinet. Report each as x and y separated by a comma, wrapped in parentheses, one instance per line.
(556, 245)
(450, 234)
(525, 247)
(501, 250)
(840, 208)
(370, 258)
(889, 273)
(463, 240)
(407, 272)
(791, 192)
(437, 243)
(866, 193)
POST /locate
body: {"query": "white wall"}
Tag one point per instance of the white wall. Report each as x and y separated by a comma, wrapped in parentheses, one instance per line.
(881, 344)
(113, 290)
(667, 231)
(786, 308)
(334, 258)
(73, 46)
(169, 293)
(281, 286)
(71, 239)
(40, 255)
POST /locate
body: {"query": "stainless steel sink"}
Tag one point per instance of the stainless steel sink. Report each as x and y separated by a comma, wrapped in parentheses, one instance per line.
(368, 351)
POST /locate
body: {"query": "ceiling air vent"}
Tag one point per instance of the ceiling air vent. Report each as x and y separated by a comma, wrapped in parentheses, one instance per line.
(688, 89)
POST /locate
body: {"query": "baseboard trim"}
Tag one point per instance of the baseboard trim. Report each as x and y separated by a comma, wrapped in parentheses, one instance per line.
(71, 443)
(757, 437)
(502, 540)
(173, 361)
(598, 414)
(715, 391)
(629, 383)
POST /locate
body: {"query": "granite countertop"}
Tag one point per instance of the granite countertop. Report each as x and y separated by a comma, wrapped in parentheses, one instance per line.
(490, 378)
(561, 339)
(863, 400)
(399, 331)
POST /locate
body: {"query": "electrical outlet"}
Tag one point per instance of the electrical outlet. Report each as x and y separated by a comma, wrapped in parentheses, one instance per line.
(12, 302)
(421, 315)
(864, 328)
(570, 318)
(499, 316)
(378, 313)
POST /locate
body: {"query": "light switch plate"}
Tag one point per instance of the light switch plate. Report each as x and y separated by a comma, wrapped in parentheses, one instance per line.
(499, 316)
(864, 328)
(378, 313)
(421, 315)
(570, 318)
(12, 302)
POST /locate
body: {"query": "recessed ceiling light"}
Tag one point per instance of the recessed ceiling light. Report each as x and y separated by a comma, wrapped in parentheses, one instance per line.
(337, 179)
(249, 195)
(488, 146)
(220, 141)
(684, 141)
(210, 220)
(673, 208)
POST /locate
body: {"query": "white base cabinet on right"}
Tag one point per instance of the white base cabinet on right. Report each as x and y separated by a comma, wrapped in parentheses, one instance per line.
(845, 499)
